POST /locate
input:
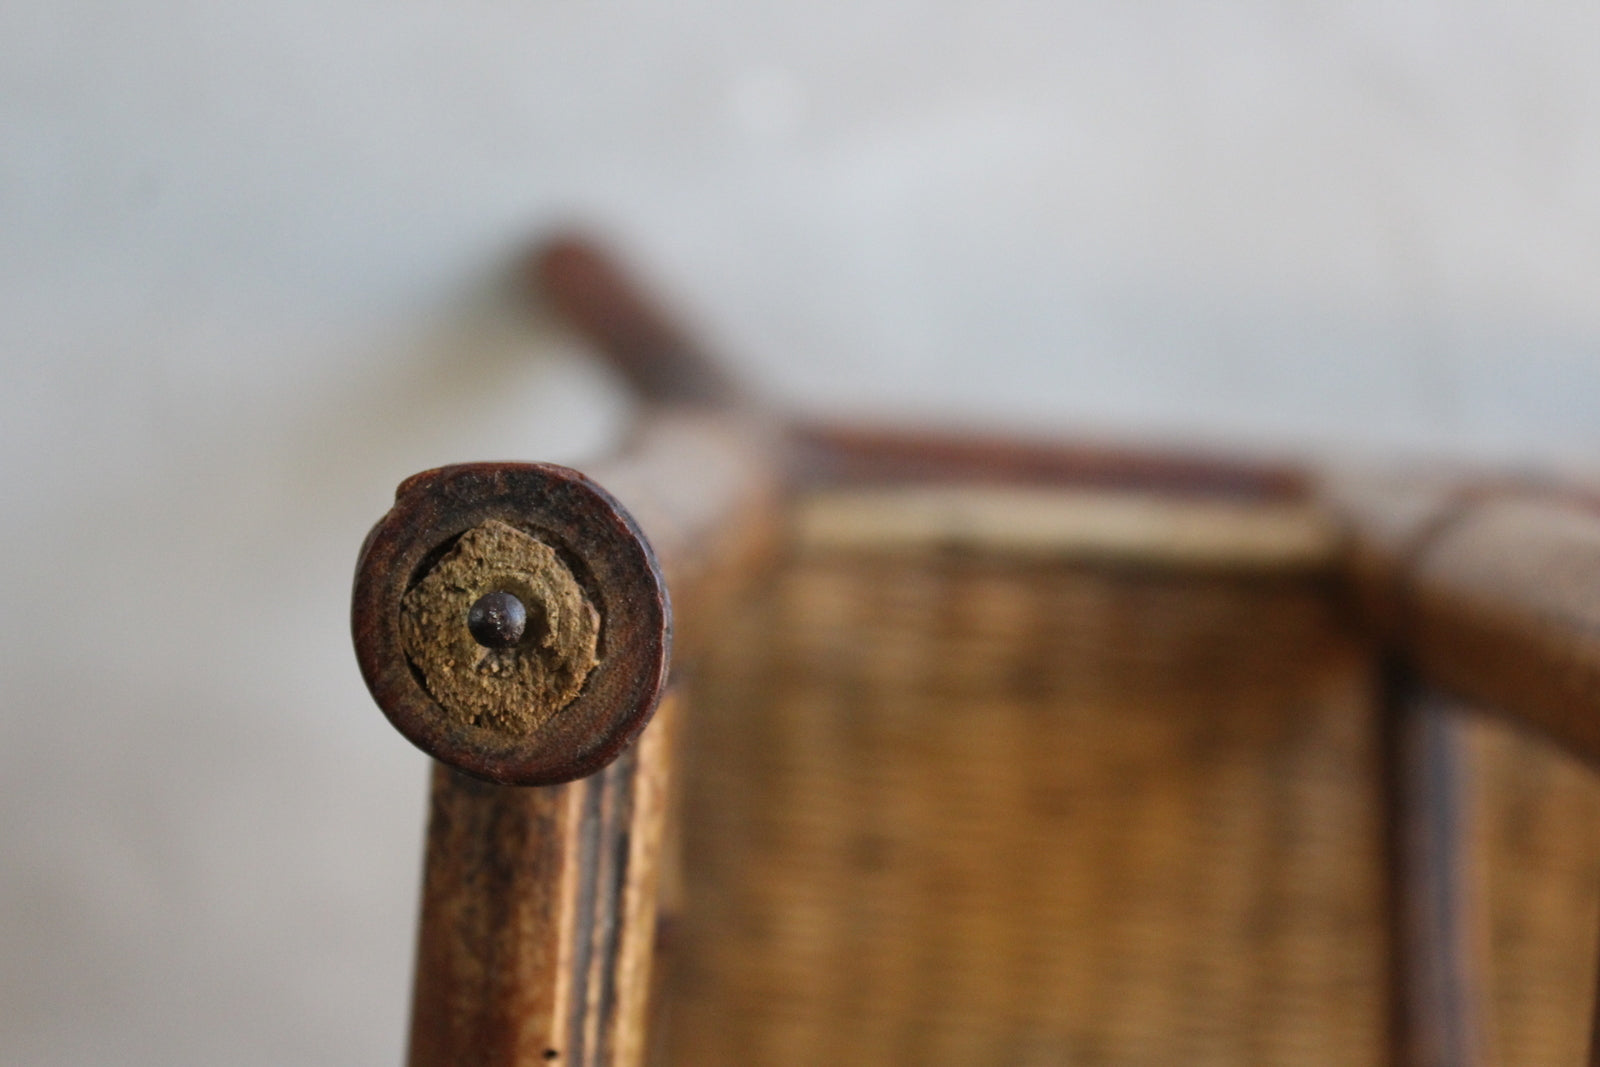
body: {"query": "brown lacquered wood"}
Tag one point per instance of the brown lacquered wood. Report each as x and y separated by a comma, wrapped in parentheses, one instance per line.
(538, 916)
(601, 546)
(1439, 919)
(1594, 1031)
(853, 454)
(494, 974)
(595, 294)
(539, 907)
(1491, 590)
(1486, 588)
(701, 492)
(1505, 609)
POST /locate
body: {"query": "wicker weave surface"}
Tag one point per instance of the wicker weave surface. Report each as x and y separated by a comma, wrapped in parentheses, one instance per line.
(947, 809)
(1536, 813)
(993, 806)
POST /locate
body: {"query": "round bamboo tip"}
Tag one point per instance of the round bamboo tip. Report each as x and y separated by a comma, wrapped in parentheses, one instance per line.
(511, 621)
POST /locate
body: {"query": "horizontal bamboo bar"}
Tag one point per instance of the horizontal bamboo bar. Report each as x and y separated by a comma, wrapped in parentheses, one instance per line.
(1491, 590)
(1505, 610)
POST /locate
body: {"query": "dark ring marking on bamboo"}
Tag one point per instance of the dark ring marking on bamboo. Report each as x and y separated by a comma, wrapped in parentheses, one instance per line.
(561, 698)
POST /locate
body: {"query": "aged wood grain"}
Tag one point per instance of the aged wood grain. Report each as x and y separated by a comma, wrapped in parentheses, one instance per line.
(1490, 587)
(1438, 903)
(538, 916)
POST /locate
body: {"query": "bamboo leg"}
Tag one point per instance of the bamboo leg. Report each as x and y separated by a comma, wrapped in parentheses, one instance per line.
(538, 916)
(1438, 917)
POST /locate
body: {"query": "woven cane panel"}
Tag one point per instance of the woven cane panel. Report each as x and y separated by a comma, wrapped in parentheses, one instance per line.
(1537, 816)
(954, 810)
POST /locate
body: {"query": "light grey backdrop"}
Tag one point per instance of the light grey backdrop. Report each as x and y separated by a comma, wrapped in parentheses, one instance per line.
(252, 273)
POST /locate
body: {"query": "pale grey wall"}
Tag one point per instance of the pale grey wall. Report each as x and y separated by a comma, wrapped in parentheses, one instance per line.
(252, 273)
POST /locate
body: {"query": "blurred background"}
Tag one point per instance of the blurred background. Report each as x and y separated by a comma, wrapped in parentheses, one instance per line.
(255, 269)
